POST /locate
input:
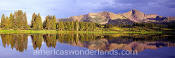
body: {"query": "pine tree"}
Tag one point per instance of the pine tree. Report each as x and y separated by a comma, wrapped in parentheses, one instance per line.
(61, 26)
(2, 21)
(11, 18)
(50, 23)
(47, 23)
(33, 20)
(36, 23)
(25, 24)
(39, 22)
(6, 23)
(53, 22)
(72, 25)
(77, 25)
(20, 20)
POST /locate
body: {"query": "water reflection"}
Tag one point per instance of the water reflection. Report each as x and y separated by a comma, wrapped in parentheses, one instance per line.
(105, 42)
(37, 40)
(18, 41)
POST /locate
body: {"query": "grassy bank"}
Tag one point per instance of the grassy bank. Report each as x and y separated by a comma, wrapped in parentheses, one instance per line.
(54, 31)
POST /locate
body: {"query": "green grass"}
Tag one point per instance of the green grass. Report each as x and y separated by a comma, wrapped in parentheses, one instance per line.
(54, 31)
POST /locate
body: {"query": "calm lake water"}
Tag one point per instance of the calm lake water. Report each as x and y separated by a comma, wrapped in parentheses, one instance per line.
(87, 46)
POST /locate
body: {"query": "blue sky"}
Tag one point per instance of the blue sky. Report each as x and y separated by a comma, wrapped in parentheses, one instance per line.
(67, 8)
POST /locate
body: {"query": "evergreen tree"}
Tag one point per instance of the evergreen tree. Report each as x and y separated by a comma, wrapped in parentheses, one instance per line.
(72, 26)
(77, 25)
(2, 21)
(60, 26)
(83, 26)
(53, 22)
(50, 23)
(36, 23)
(6, 23)
(20, 20)
(33, 20)
(11, 18)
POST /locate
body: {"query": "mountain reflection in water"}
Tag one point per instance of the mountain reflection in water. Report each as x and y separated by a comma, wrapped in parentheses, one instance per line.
(105, 42)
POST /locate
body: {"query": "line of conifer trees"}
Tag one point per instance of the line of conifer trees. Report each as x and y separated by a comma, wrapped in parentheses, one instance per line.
(18, 21)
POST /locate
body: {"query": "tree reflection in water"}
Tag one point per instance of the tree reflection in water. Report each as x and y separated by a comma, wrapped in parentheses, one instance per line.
(105, 42)
(18, 41)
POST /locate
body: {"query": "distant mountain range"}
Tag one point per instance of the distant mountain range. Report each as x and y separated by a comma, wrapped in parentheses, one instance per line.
(133, 16)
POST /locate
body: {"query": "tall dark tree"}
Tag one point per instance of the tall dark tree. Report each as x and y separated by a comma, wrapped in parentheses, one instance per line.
(20, 20)
(36, 23)
(77, 25)
(61, 26)
(11, 18)
(5, 22)
(50, 23)
(2, 21)
(33, 20)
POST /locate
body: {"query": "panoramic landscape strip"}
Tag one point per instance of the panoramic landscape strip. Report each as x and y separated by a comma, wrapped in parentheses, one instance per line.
(103, 22)
(55, 32)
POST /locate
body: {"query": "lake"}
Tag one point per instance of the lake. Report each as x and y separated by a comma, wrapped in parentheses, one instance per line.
(89, 45)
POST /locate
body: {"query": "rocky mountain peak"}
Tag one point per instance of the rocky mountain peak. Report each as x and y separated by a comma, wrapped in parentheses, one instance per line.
(134, 15)
(134, 11)
(107, 17)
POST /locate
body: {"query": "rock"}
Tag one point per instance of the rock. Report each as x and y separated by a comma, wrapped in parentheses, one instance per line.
(112, 18)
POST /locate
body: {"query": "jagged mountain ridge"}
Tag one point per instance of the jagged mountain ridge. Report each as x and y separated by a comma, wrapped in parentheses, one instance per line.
(133, 16)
